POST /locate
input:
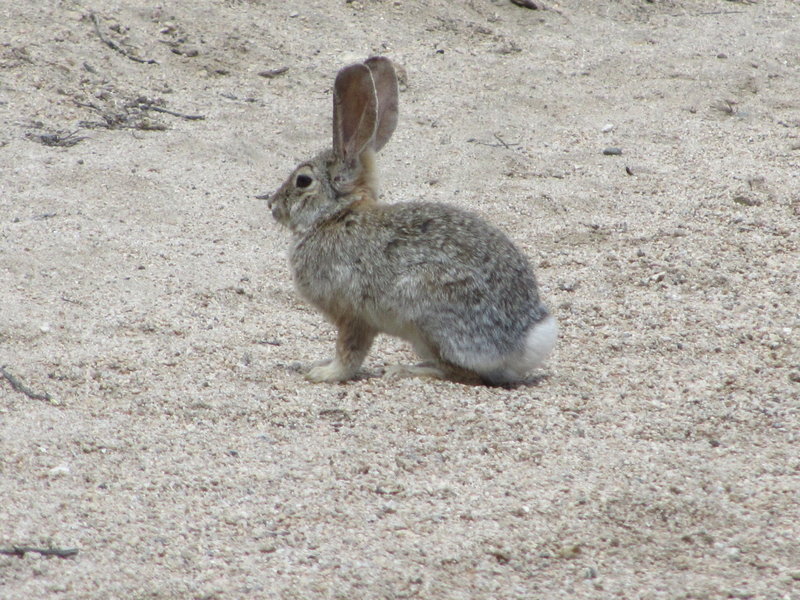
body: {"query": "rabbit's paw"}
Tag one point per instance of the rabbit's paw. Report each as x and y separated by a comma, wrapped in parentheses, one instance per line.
(328, 372)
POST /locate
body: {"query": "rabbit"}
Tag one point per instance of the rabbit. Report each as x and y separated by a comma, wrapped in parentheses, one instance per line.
(442, 278)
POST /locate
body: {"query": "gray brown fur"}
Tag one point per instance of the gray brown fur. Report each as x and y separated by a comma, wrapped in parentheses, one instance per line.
(442, 278)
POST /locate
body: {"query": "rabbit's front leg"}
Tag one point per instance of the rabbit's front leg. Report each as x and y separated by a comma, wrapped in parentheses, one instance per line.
(352, 344)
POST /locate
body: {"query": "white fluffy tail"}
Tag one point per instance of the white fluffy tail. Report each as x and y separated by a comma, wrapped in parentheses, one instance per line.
(539, 342)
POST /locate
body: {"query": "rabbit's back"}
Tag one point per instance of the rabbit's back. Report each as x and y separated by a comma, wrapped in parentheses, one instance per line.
(431, 273)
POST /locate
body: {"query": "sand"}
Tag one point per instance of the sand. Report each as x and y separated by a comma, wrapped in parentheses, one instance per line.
(160, 423)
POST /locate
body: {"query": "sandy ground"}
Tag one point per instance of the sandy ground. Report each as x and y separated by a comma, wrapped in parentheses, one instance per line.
(145, 292)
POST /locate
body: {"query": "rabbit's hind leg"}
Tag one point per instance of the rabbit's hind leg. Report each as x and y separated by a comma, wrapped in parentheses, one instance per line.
(432, 365)
(352, 345)
(434, 369)
(423, 369)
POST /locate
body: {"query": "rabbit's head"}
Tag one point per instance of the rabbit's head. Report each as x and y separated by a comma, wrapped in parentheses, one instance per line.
(365, 99)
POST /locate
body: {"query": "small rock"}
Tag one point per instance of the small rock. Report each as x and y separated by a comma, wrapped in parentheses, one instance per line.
(569, 552)
(608, 127)
(188, 52)
(502, 556)
(59, 471)
(727, 106)
(532, 4)
(270, 73)
(746, 200)
(389, 488)
(568, 286)
(733, 553)
(402, 76)
(612, 151)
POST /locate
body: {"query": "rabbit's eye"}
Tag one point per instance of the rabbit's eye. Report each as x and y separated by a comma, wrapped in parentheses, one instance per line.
(303, 181)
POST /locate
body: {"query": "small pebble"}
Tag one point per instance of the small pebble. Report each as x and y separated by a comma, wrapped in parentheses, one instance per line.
(59, 471)
(532, 4)
(568, 286)
(607, 128)
(270, 73)
(746, 200)
(569, 552)
(733, 553)
(611, 151)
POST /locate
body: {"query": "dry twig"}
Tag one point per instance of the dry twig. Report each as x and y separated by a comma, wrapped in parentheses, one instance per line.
(132, 115)
(22, 550)
(502, 143)
(60, 140)
(116, 47)
(20, 387)
(149, 106)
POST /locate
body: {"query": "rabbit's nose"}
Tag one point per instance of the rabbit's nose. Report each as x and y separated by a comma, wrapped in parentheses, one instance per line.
(268, 197)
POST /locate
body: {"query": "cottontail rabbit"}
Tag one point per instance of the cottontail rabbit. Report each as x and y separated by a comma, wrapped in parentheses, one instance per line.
(441, 278)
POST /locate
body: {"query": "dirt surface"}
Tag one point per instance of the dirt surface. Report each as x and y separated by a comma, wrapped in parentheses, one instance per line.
(159, 423)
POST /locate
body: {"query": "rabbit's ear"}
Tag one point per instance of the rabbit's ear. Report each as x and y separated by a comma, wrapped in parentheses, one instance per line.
(385, 80)
(355, 113)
